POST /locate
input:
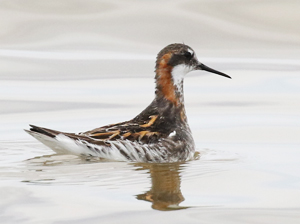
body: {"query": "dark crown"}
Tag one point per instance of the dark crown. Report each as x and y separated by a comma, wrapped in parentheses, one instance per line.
(181, 54)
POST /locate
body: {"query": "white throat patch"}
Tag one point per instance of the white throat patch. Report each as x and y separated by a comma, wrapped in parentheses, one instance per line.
(178, 73)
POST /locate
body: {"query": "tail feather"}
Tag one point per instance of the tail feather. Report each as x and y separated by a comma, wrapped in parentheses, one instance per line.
(48, 137)
(44, 131)
(67, 143)
(47, 140)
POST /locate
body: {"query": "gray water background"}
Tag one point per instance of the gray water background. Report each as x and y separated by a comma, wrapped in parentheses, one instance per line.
(77, 65)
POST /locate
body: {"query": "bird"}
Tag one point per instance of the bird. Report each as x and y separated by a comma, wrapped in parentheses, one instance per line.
(159, 134)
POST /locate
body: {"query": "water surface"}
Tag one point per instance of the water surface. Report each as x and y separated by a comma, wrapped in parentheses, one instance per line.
(75, 66)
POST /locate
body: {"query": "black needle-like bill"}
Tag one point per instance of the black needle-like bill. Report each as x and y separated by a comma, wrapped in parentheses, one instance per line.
(206, 68)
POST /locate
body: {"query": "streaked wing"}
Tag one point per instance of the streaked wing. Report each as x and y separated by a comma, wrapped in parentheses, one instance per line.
(143, 132)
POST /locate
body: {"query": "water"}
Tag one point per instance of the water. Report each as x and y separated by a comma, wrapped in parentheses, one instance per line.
(73, 67)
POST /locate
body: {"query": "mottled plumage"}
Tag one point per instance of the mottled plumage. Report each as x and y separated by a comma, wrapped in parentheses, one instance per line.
(160, 133)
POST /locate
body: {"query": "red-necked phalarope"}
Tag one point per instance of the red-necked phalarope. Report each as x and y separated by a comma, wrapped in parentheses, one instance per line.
(160, 133)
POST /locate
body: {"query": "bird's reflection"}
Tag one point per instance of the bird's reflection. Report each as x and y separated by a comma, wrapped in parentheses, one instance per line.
(165, 193)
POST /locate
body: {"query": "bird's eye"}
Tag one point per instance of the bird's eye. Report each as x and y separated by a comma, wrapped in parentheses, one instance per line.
(188, 55)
